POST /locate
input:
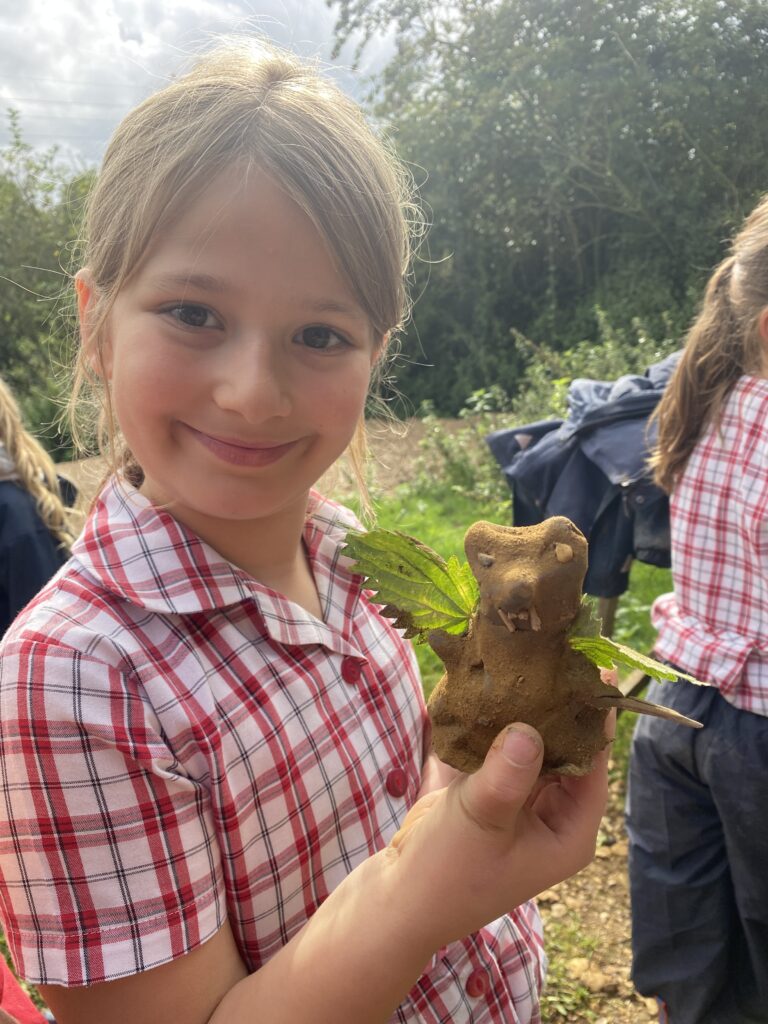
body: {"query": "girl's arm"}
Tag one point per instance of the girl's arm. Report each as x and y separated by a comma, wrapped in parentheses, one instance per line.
(463, 856)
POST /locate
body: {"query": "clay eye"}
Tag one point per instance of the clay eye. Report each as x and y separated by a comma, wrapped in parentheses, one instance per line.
(485, 560)
(563, 552)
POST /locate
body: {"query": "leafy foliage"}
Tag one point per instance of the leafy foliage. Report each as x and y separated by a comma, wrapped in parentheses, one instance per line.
(457, 460)
(576, 155)
(606, 653)
(39, 209)
(543, 386)
(419, 589)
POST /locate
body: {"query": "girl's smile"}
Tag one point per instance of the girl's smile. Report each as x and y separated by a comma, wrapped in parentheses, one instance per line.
(242, 453)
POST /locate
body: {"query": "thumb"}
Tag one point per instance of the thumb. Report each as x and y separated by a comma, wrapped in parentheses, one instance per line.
(493, 795)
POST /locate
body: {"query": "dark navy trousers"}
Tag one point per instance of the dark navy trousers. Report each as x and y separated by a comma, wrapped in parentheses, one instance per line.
(697, 821)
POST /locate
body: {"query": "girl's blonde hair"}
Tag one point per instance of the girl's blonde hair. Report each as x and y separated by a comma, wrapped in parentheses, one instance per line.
(723, 343)
(252, 105)
(34, 467)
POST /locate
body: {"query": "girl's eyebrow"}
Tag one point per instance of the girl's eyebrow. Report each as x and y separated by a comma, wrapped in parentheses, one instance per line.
(203, 282)
(332, 306)
(209, 283)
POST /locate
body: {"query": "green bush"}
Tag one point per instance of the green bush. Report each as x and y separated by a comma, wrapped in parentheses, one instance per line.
(543, 388)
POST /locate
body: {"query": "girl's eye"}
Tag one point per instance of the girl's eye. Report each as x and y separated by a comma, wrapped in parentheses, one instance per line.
(320, 338)
(191, 315)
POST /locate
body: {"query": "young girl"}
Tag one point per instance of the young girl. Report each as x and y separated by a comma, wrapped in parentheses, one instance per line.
(35, 531)
(696, 811)
(211, 738)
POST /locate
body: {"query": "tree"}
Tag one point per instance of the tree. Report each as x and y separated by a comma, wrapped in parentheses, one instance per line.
(576, 154)
(40, 205)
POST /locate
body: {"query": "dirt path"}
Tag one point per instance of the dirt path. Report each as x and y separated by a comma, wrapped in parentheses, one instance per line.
(596, 901)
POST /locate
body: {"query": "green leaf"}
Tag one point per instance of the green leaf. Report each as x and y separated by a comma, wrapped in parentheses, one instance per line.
(418, 588)
(606, 653)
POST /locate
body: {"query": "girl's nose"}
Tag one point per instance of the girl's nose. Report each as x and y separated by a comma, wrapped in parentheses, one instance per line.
(252, 379)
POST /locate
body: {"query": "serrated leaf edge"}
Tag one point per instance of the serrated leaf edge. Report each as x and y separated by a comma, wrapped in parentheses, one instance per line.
(605, 653)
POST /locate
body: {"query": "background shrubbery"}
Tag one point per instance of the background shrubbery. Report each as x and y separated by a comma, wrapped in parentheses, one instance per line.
(573, 155)
(582, 165)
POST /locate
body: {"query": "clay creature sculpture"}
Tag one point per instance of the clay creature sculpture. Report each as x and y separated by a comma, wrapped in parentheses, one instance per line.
(518, 640)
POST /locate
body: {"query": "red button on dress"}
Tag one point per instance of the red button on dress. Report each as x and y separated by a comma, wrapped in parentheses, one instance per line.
(351, 670)
(397, 782)
(478, 983)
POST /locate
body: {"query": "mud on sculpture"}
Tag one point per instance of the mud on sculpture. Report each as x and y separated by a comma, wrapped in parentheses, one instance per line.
(518, 640)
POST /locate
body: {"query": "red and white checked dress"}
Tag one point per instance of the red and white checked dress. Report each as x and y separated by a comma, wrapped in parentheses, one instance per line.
(179, 745)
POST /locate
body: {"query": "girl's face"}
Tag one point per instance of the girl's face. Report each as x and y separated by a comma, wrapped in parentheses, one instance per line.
(237, 356)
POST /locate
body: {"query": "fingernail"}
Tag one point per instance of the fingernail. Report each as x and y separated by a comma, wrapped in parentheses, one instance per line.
(520, 747)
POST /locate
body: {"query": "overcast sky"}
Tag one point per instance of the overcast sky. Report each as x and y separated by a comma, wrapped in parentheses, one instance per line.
(73, 68)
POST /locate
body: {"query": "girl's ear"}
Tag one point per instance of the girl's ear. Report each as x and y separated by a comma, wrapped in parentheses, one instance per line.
(98, 357)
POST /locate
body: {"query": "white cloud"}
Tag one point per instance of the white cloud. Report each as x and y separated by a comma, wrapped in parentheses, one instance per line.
(73, 69)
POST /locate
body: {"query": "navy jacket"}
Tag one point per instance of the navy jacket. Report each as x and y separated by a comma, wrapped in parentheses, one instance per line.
(29, 555)
(592, 468)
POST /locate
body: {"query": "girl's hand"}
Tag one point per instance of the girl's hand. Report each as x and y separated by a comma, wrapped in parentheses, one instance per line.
(435, 774)
(466, 854)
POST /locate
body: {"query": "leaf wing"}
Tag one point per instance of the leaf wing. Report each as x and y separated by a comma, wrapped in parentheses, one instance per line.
(606, 653)
(416, 586)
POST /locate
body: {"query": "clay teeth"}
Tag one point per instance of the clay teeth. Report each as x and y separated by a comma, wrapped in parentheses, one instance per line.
(507, 618)
(516, 620)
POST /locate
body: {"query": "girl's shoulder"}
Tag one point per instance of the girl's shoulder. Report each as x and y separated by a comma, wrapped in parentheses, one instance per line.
(122, 569)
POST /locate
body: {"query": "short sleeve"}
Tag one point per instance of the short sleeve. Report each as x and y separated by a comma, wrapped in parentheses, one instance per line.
(108, 859)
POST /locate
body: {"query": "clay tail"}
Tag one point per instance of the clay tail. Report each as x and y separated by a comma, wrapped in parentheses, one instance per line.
(642, 707)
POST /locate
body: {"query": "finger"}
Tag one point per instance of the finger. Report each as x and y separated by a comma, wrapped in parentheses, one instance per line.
(493, 796)
(539, 785)
(576, 805)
